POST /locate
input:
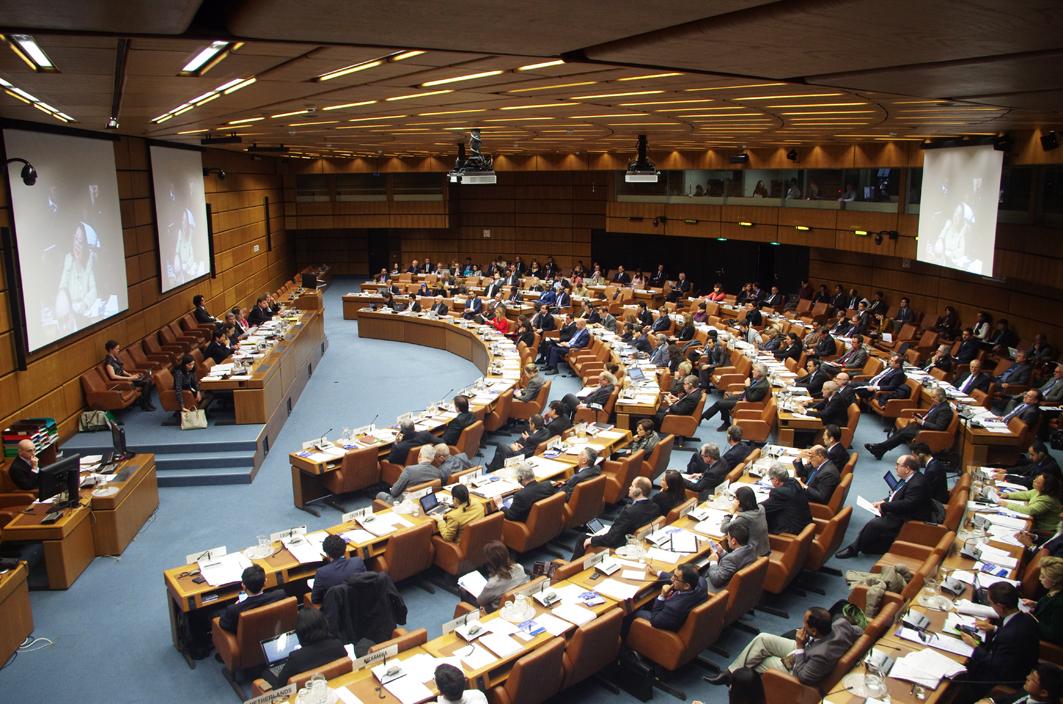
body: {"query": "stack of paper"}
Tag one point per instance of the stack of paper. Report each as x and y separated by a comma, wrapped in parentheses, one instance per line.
(925, 667)
(949, 645)
(617, 590)
(304, 550)
(225, 570)
(577, 615)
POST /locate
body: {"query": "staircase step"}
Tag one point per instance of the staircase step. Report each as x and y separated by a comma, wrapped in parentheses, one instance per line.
(203, 460)
(95, 444)
(206, 477)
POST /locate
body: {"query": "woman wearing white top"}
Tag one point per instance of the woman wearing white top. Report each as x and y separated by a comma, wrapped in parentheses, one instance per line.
(503, 574)
(450, 681)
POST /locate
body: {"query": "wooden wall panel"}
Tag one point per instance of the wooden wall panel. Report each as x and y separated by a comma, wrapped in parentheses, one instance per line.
(50, 385)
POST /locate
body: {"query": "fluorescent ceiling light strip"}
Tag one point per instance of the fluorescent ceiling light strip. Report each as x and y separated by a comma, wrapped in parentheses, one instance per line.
(456, 79)
(376, 117)
(544, 64)
(614, 114)
(290, 114)
(739, 87)
(349, 105)
(450, 112)
(615, 95)
(405, 55)
(418, 95)
(649, 76)
(792, 95)
(245, 120)
(556, 85)
(347, 70)
(33, 50)
(538, 106)
(200, 59)
(240, 85)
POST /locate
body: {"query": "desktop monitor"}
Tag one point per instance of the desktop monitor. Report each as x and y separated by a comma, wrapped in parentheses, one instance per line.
(62, 477)
(118, 443)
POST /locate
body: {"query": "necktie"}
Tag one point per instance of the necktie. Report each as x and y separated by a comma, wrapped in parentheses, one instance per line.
(878, 377)
(1018, 409)
(1048, 387)
(967, 383)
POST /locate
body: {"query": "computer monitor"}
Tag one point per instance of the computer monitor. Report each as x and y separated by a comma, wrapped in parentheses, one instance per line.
(62, 477)
(118, 444)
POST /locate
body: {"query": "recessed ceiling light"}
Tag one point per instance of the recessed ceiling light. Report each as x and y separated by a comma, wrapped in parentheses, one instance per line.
(456, 79)
(739, 87)
(614, 95)
(239, 86)
(27, 49)
(449, 112)
(611, 114)
(556, 85)
(671, 102)
(289, 114)
(537, 106)
(648, 76)
(419, 95)
(405, 55)
(245, 120)
(792, 95)
(544, 64)
(349, 105)
(205, 59)
(347, 70)
(376, 117)
(307, 124)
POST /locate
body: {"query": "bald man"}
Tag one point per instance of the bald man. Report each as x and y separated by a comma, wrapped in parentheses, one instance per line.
(24, 471)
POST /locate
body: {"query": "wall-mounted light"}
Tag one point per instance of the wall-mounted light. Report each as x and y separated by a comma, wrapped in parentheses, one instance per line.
(690, 221)
(802, 228)
(721, 239)
(774, 244)
(207, 171)
(860, 233)
(745, 223)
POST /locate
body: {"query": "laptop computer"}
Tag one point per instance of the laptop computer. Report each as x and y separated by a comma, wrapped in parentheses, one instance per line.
(276, 650)
(636, 373)
(430, 504)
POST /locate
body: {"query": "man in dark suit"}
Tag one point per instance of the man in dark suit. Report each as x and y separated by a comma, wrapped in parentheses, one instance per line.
(644, 316)
(558, 417)
(621, 277)
(460, 422)
(774, 299)
(840, 301)
(1017, 374)
(529, 441)
(658, 278)
(200, 312)
(493, 288)
(713, 355)
(909, 501)
(786, 507)
(934, 470)
(543, 321)
(1029, 411)
(407, 439)
(587, 467)
(23, 470)
(941, 359)
(818, 475)
(975, 378)
(632, 517)
(580, 339)
(337, 568)
(261, 313)
(969, 348)
(737, 451)
(904, 314)
(530, 492)
(937, 418)
(253, 579)
(564, 334)
(564, 298)
(440, 307)
(832, 409)
(218, 349)
(1010, 651)
(825, 345)
(663, 322)
(836, 452)
(672, 405)
(600, 395)
(854, 359)
(1036, 461)
(730, 557)
(705, 470)
(670, 609)
(473, 307)
(682, 288)
(887, 384)
(817, 376)
(757, 389)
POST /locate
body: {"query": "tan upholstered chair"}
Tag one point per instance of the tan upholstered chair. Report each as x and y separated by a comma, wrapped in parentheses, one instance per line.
(242, 650)
(467, 554)
(545, 522)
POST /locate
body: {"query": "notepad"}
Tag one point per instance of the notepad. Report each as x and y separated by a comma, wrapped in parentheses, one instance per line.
(473, 582)
(553, 625)
(616, 590)
(479, 658)
(500, 645)
(577, 615)
(345, 695)
(867, 506)
(949, 645)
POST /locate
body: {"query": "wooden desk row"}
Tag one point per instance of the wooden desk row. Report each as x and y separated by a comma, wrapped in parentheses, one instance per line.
(100, 525)
(15, 612)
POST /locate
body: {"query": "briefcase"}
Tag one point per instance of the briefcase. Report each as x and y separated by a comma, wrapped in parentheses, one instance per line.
(193, 420)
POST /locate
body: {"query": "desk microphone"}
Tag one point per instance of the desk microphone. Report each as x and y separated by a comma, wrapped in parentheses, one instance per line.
(325, 434)
(372, 423)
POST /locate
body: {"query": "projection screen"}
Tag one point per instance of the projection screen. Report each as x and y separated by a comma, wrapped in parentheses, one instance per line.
(958, 208)
(68, 229)
(180, 214)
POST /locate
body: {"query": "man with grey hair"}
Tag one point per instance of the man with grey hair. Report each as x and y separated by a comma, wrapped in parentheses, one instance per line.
(910, 500)
(530, 492)
(587, 467)
(757, 389)
(448, 463)
(705, 470)
(682, 405)
(424, 471)
(938, 417)
(737, 449)
(820, 476)
(660, 357)
(407, 439)
(786, 507)
(600, 395)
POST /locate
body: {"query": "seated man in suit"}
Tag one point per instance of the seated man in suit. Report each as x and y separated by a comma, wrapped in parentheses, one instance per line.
(969, 348)
(533, 386)
(786, 507)
(1052, 389)
(621, 277)
(407, 439)
(825, 345)
(832, 440)
(424, 471)
(1010, 650)
(1043, 684)
(705, 470)
(757, 389)
(558, 417)
(713, 355)
(643, 315)
(640, 511)
(1028, 410)
(727, 560)
(531, 491)
(1036, 461)
(587, 467)
(832, 409)
(682, 289)
(941, 359)
(737, 450)
(543, 321)
(909, 501)
(599, 396)
(661, 356)
(24, 472)
(935, 471)
(818, 476)
(887, 384)
(473, 307)
(460, 422)
(810, 656)
(440, 307)
(536, 434)
(853, 360)
(669, 611)
(975, 378)
(317, 647)
(938, 417)
(252, 580)
(218, 349)
(261, 313)
(672, 405)
(1017, 374)
(200, 311)
(580, 339)
(818, 375)
(337, 568)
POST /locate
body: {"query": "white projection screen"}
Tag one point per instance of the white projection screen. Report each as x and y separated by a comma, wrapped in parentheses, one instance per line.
(958, 208)
(180, 215)
(68, 229)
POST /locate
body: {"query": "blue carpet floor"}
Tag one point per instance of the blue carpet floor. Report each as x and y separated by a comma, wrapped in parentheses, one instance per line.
(110, 632)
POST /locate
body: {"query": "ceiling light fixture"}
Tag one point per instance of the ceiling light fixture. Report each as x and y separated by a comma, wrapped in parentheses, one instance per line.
(672, 102)
(612, 114)
(403, 55)
(816, 105)
(418, 95)
(747, 85)
(450, 112)
(615, 95)
(347, 70)
(544, 64)
(290, 114)
(24, 97)
(649, 76)
(456, 79)
(556, 85)
(792, 95)
(349, 105)
(206, 59)
(245, 120)
(27, 49)
(376, 117)
(224, 89)
(236, 85)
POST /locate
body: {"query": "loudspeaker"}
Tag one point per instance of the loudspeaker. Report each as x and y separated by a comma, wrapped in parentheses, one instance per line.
(1050, 141)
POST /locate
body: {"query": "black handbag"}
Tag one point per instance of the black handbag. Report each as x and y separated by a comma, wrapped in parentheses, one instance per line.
(634, 675)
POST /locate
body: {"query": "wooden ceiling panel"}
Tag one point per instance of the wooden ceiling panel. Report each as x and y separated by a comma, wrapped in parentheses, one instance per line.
(786, 40)
(1042, 100)
(962, 78)
(544, 28)
(126, 17)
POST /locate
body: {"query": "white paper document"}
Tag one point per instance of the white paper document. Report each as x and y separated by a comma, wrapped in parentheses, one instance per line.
(478, 658)
(225, 570)
(358, 536)
(574, 614)
(303, 549)
(554, 626)
(637, 575)
(473, 582)
(934, 640)
(500, 645)
(867, 506)
(663, 555)
(616, 590)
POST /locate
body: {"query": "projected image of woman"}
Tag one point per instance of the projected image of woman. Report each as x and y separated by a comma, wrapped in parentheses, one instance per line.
(951, 244)
(184, 262)
(78, 281)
